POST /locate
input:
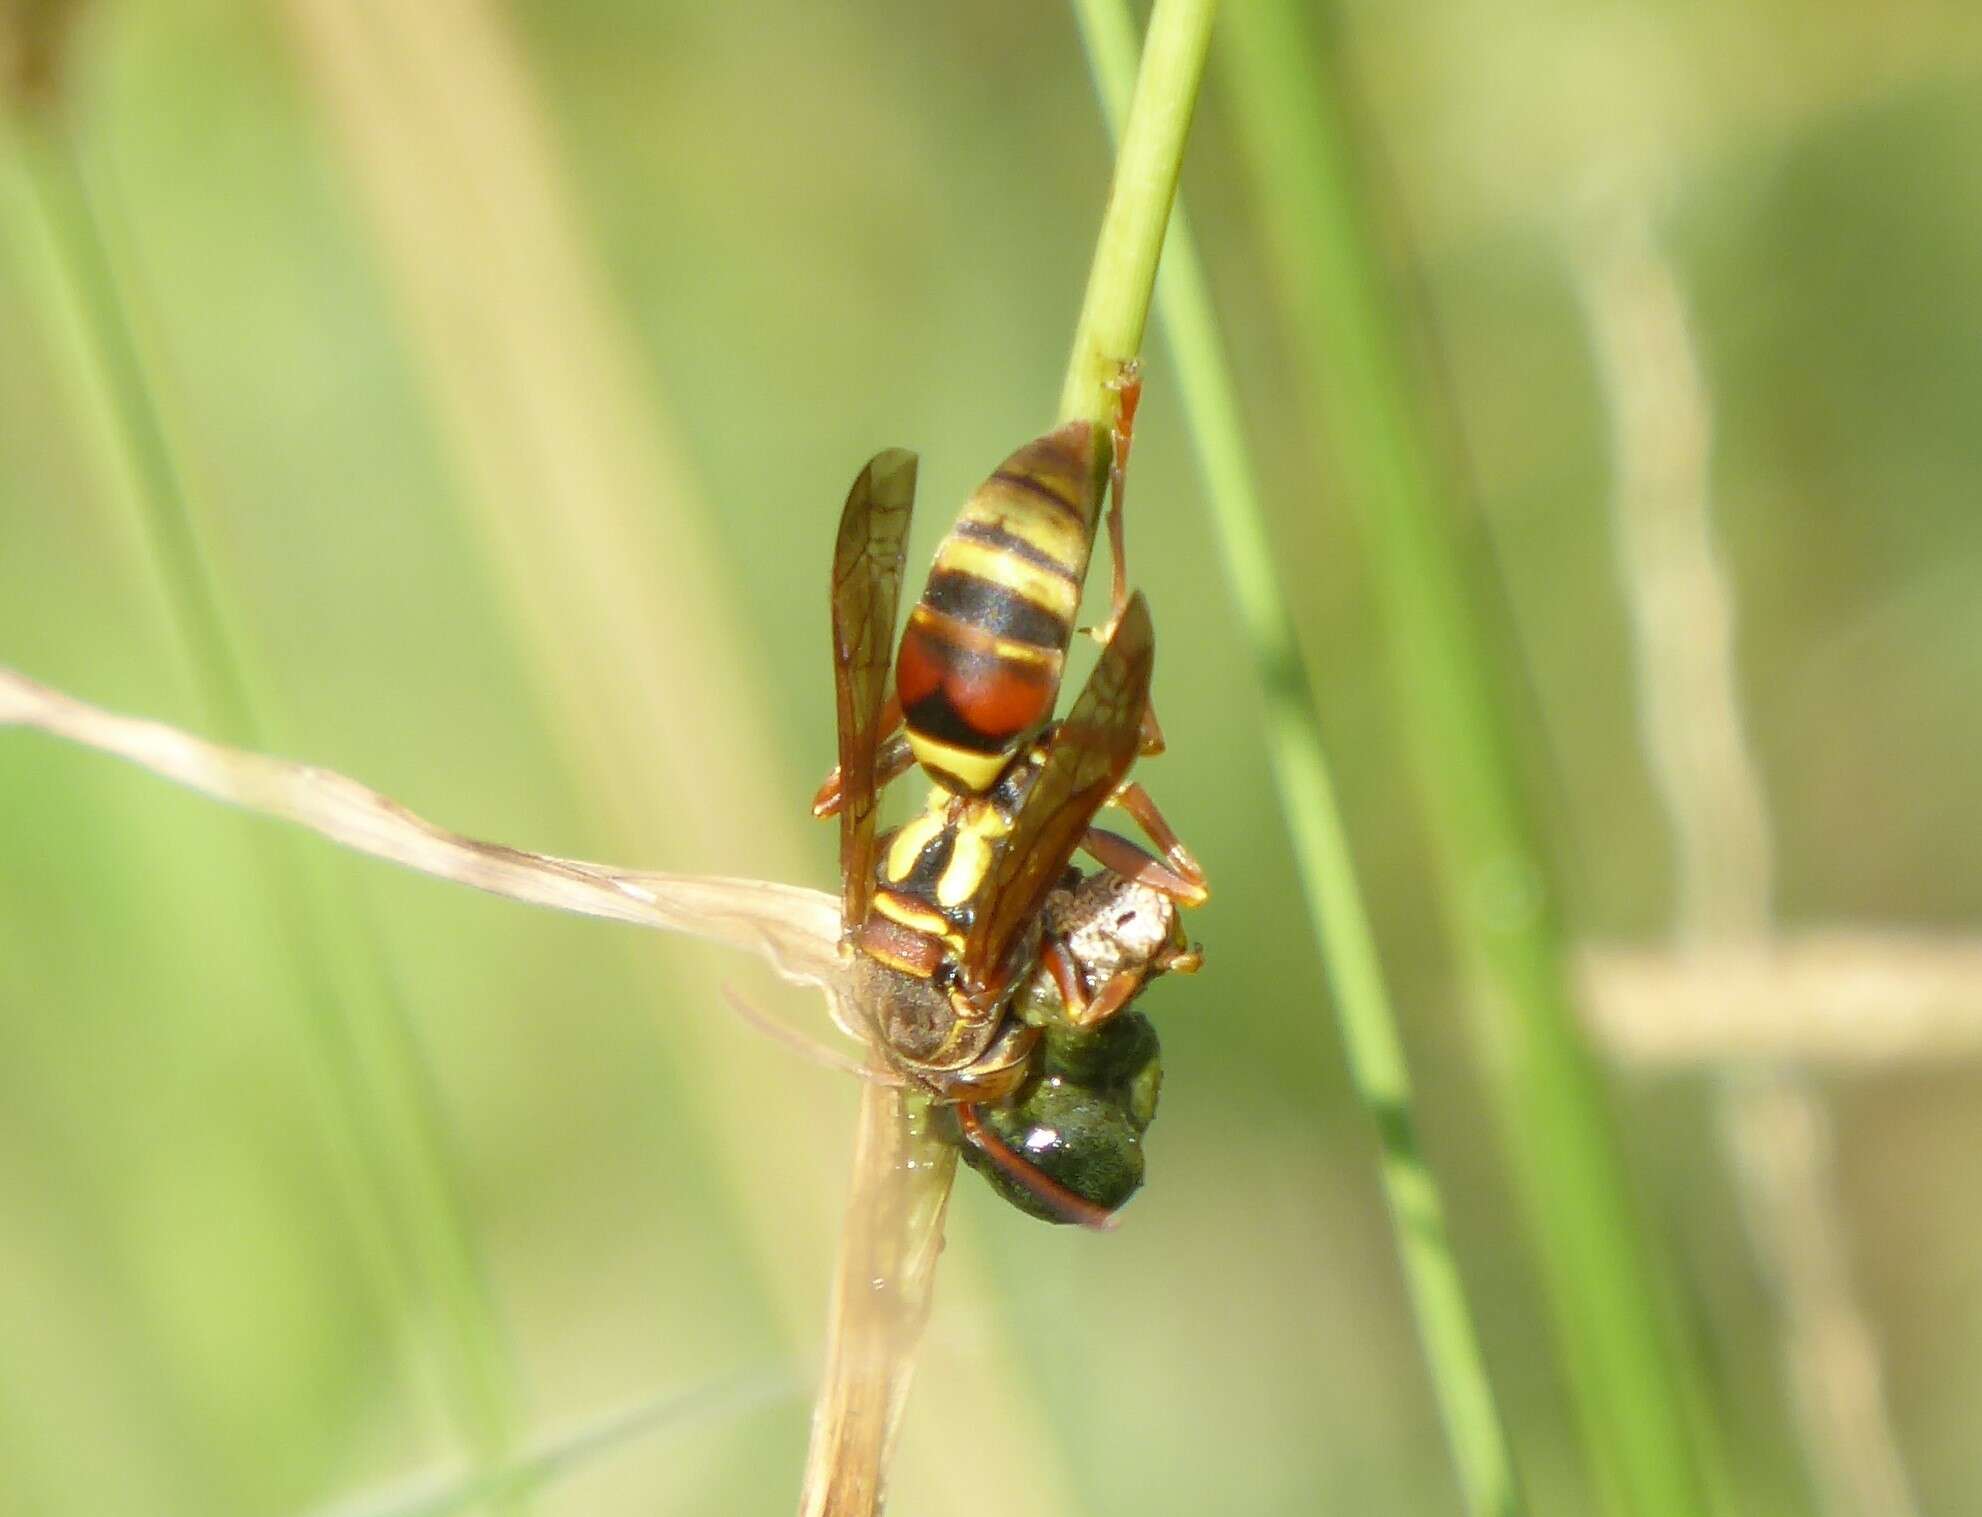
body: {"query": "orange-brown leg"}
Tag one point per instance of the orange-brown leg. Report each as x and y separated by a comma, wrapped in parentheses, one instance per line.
(1118, 573)
(1112, 997)
(894, 759)
(1138, 802)
(1134, 863)
(1066, 978)
(1127, 384)
(1082, 1009)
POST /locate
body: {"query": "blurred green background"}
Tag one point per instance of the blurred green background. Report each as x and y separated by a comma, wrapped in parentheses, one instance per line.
(518, 356)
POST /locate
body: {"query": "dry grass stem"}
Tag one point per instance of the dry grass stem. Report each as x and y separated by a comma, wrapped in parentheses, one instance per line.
(1780, 1141)
(793, 929)
(1682, 613)
(1677, 591)
(1849, 998)
(882, 1293)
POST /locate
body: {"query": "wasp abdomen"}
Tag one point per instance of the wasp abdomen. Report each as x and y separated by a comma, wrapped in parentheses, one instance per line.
(982, 657)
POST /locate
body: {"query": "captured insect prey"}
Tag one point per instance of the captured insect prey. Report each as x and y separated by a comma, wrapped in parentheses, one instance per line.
(986, 968)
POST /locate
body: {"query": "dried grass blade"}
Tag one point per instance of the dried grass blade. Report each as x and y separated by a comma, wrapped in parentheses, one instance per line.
(1849, 998)
(882, 1292)
(794, 929)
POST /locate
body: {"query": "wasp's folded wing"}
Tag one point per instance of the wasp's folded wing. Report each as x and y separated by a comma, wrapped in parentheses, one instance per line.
(867, 582)
(1089, 755)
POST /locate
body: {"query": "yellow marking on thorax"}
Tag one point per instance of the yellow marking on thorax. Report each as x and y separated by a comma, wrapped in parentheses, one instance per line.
(980, 816)
(1049, 591)
(888, 960)
(970, 857)
(910, 841)
(978, 828)
(918, 917)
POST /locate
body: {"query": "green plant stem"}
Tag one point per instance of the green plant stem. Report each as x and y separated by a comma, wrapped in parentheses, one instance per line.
(1635, 1393)
(1147, 163)
(392, 1137)
(1319, 841)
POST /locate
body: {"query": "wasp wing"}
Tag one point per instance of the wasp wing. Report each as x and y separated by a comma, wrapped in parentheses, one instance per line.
(1087, 757)
(867, 582)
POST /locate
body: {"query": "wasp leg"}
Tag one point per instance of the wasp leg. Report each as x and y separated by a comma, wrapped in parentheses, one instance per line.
(1185, 878)
(1082, 1009)
(892, 761)
(1054, 1195)
(1138, 802)
(1131, 862)
(806, 1047)
(1112, 997)
(1127, 385)
(1066, 979)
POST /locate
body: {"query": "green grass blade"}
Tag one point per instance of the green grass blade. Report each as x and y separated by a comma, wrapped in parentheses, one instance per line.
(1634, 1391)
(569, 1453)
(1122, 279)
(394, 1140)
(1320, 843)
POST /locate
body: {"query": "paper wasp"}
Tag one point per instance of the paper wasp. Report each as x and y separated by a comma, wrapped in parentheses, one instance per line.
(969, 938)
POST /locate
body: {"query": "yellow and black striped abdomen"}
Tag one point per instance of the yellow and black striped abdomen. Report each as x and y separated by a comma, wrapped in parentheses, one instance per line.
(981, 660)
